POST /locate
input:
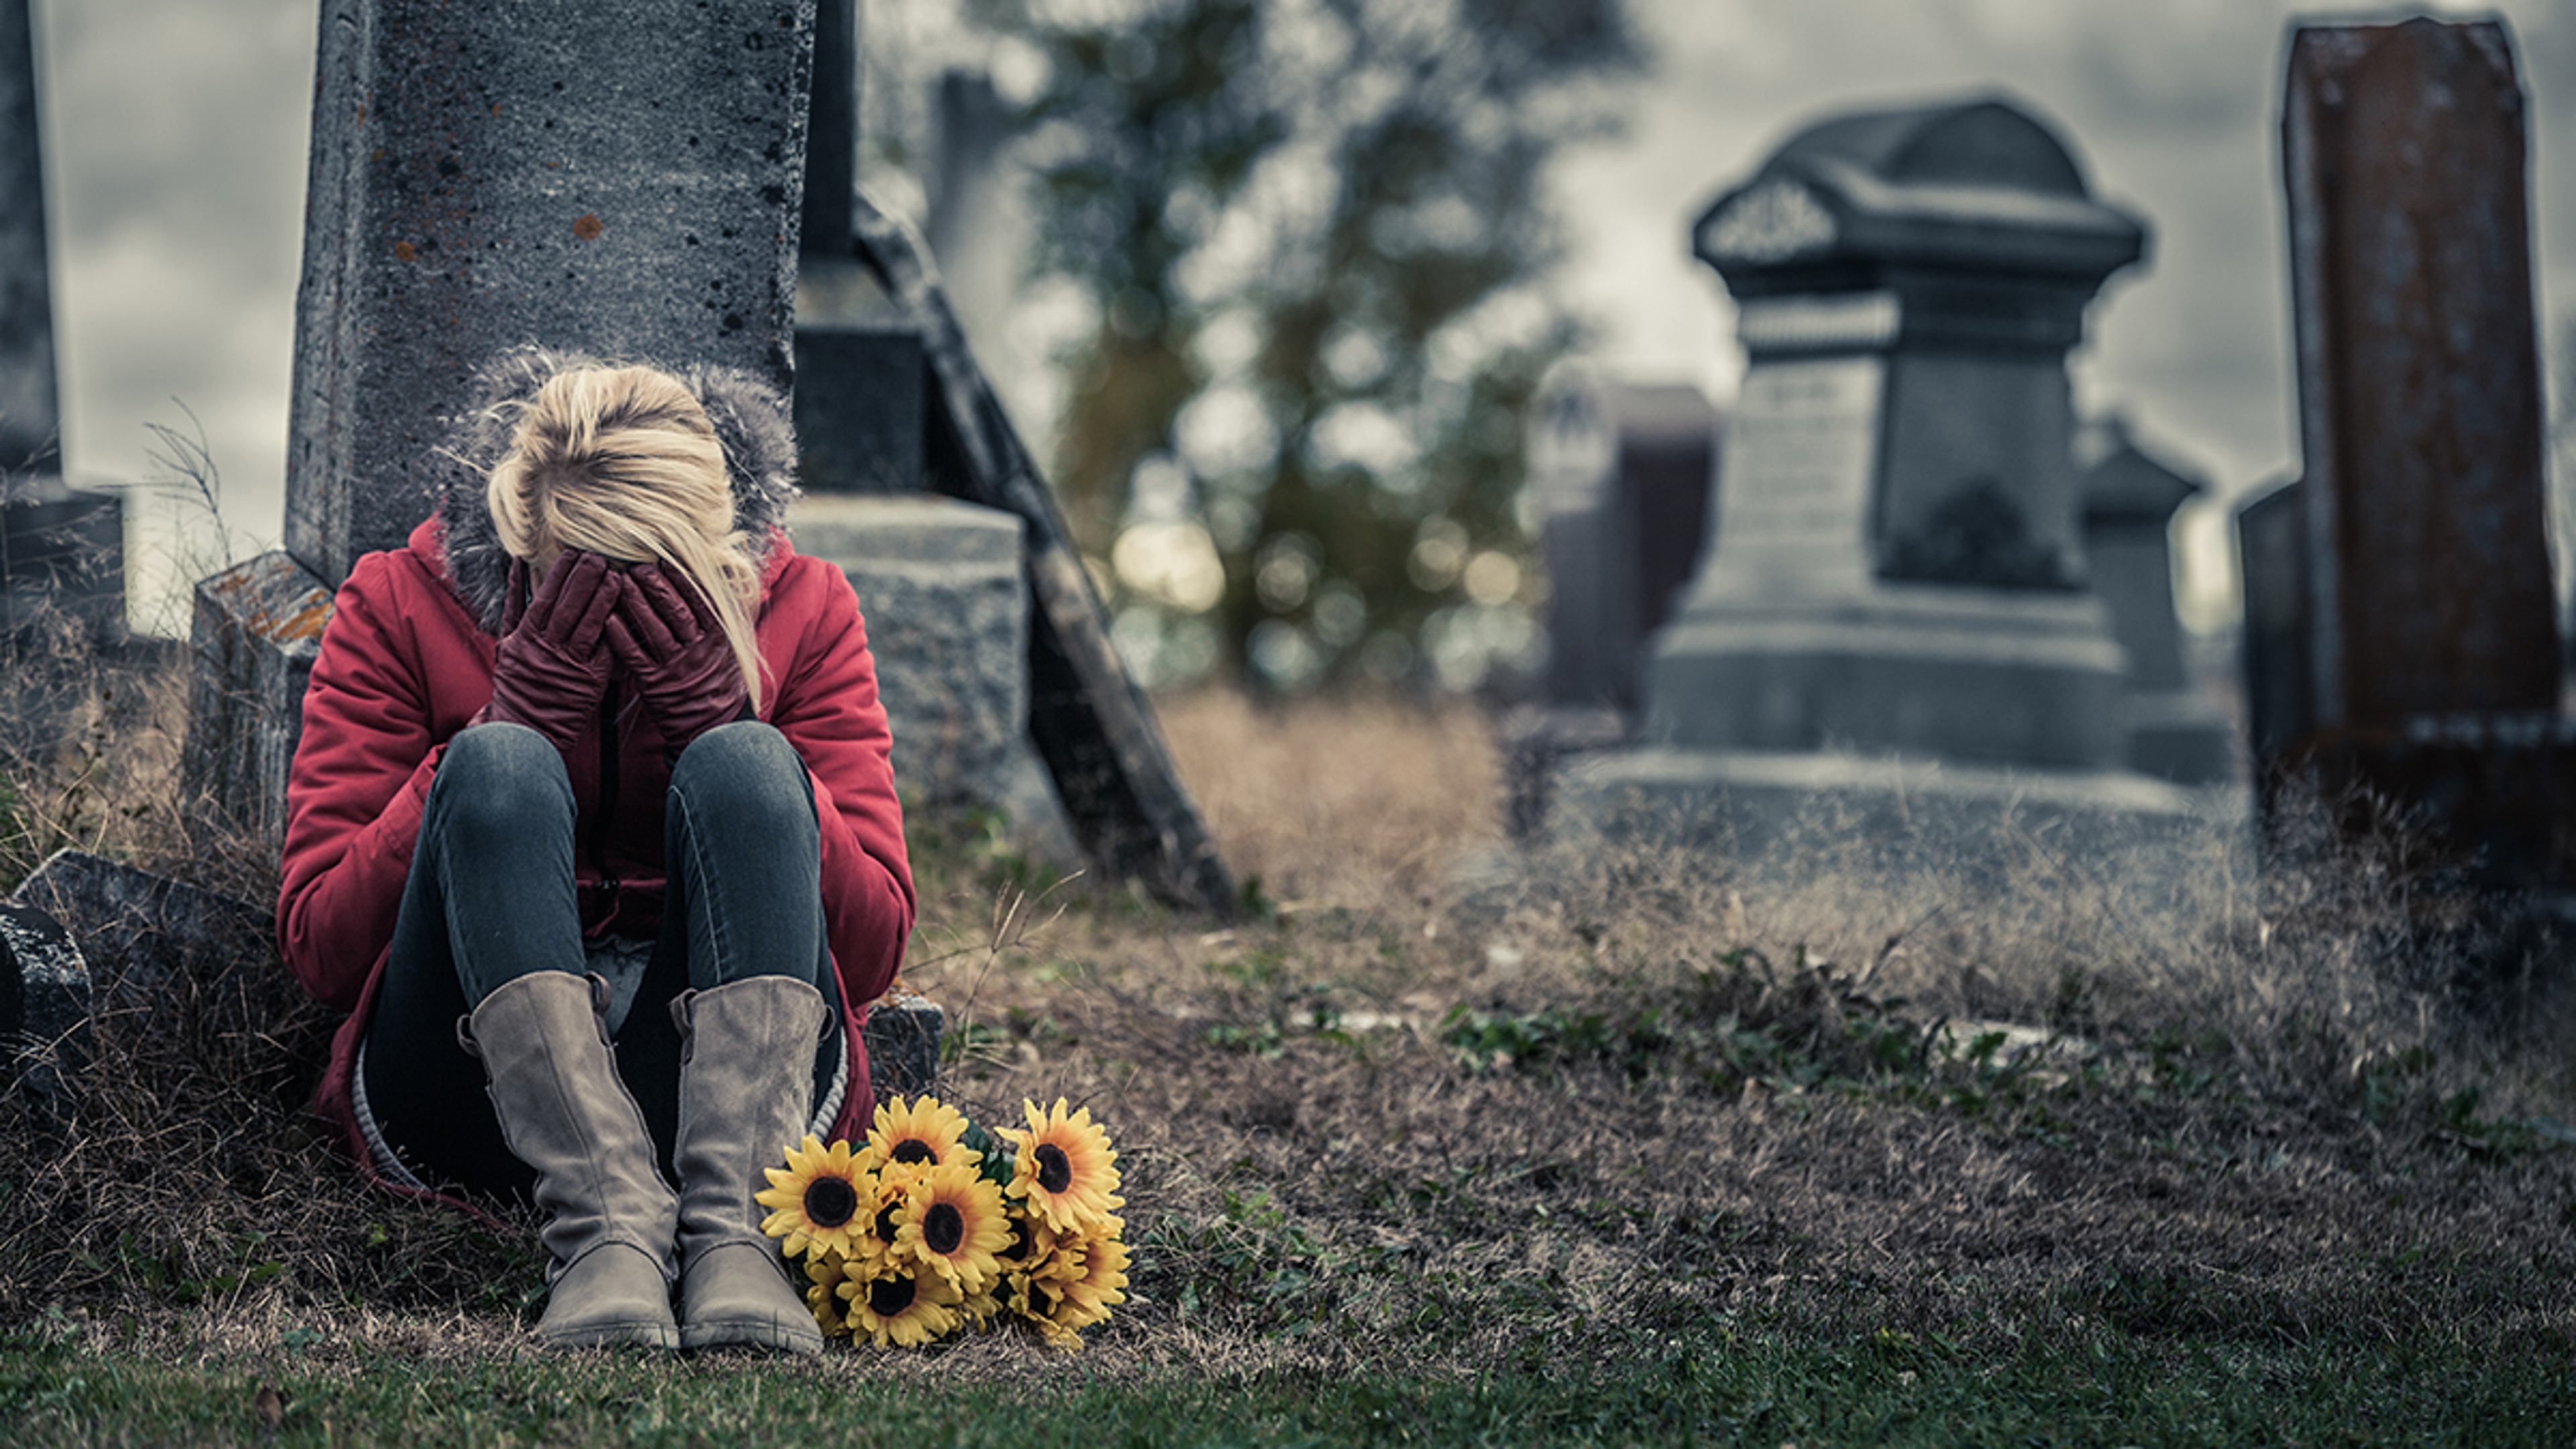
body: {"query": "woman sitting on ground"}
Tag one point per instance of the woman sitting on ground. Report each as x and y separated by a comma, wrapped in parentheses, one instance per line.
(591, 829)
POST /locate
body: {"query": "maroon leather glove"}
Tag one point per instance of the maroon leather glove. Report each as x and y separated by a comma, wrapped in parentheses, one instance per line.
(667, 636)
(550, 670)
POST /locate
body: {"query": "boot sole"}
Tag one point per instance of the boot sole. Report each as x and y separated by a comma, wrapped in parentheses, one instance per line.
(751, 1333)
(613, 1335)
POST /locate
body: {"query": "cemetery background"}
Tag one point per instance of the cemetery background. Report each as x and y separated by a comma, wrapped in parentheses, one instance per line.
(179, 139)
(1724, 1158)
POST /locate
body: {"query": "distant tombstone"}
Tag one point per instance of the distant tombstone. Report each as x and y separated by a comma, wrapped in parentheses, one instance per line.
(1625, 472)
(617, 179)
(2171, 727)
(62, 550)
(2431, 643)
(2272, 558)
(1899, 562)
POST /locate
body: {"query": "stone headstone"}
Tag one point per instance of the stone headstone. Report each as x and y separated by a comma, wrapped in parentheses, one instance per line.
(30, 414)
(861, 412)
(62, 550)
(939, 582)
(1898, 553)
(618, 179)
(254, 631)
(2171, 727)
(142, 931)
(861, 376)
(2430, 635)
(1893, 626)
(1625, 472)
(903, 1034)
(2420, 416)
(621, 179)
(44, 1008)
(2272, 555)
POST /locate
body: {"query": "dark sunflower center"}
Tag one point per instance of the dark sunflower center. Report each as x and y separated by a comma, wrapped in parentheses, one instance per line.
(1019, 1248)
(830, 1202)
(1042, 1301)
(943, 1228)
(889, 1297)
(913, 1149)
(1055, 1171)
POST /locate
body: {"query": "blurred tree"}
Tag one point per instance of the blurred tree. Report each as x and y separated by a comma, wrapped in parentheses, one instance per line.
(1316, 241)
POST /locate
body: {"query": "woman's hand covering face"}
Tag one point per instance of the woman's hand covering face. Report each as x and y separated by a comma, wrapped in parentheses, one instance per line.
(668, 637)
(551, 669)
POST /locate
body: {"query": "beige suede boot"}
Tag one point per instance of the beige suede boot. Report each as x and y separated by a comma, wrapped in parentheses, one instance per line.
(746, 1090)
(566, 1113)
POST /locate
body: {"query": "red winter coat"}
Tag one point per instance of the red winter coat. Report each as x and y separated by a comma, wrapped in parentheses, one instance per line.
(405, 664)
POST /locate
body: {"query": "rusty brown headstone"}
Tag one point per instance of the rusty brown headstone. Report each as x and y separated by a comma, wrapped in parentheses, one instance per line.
(2419, 374)
(2431, 634)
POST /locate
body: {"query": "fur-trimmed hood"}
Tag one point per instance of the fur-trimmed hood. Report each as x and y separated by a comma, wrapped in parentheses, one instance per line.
(753, 423)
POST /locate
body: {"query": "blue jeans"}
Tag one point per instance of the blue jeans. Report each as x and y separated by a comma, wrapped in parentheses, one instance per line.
(492, 897)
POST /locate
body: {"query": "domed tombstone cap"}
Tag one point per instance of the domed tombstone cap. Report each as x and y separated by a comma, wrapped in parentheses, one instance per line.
(1979, 188)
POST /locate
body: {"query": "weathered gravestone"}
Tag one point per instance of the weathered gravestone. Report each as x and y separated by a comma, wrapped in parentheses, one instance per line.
(2170, 727)
(62, 550)
(84, 934)
(2417, 615)
(44, 1009)
(1624, 473)
(861, 376)
(1895, 606)
(948, 622)
(622, 180)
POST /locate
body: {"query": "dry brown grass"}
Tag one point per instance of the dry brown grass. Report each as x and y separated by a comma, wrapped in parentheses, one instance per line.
(2257, 1126)
(2254, 1106)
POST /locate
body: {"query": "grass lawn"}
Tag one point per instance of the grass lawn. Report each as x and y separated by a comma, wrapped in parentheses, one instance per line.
(1637, 1146)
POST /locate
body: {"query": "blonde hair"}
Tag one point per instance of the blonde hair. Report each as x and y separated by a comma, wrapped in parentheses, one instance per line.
(623, 462)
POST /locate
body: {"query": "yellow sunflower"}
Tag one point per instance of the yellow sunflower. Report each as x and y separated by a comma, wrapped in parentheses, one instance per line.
(903, 1308)
(817, 1197)
(1041, 1303)
(1102, 1275)
(927, 1132)
(1064, 1169)
(981, 1309)
(827, 1273)
(882, 1197)
(1036, 1267)
(954, 1223)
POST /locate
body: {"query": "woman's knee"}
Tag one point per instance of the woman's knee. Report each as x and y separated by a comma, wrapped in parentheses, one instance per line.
(493, 777)
(748, 772)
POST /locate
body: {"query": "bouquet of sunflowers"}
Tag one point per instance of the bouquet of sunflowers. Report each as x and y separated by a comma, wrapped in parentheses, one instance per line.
(936, 1222)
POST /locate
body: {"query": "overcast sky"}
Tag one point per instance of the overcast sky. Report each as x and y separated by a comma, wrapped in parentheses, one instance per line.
(176, 160)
